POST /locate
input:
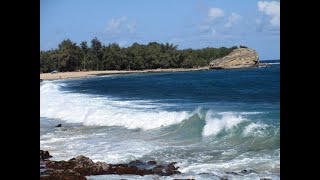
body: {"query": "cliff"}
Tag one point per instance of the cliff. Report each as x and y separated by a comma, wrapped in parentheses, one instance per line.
(238, 58)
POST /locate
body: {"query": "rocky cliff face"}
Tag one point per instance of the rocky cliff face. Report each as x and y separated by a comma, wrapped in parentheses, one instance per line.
(238, 58)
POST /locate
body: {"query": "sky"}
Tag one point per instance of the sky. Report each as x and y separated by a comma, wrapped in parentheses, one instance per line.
(186, 23)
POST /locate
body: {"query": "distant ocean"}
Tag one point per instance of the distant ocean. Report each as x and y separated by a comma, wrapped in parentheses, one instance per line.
(210, 122)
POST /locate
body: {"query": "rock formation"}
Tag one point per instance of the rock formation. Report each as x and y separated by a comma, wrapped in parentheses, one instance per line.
(44, 155)
(81, 166)
(238, 58)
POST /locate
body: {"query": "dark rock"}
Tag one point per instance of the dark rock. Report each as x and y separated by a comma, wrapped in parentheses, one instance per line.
(158, 169)
(64, 165)
(241, 173)
(171, 169)
(81, 160)
(265, 179)
(86, 167)
(44, 155)
(136, 163)
(234, 173)
(248, 171)
(152, 162)
(80, 164)
(101, 167)
(46, 172)
(63, 175)
(59, 125)
(171, 166)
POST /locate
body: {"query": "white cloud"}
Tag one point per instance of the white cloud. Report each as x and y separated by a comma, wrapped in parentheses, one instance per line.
(132, 27)
(120, 25)
(271, 9)
(215, 13)
(115, 24)
(232, 20)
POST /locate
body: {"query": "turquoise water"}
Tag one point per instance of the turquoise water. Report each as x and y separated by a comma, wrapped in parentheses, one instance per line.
(210, 122)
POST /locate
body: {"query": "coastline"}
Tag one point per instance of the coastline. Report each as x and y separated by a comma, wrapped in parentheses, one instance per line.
(84, 74)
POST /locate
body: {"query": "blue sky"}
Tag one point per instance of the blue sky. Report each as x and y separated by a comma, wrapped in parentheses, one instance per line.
(186, 23)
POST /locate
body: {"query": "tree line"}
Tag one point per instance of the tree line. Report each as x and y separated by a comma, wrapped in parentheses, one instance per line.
(69, 56)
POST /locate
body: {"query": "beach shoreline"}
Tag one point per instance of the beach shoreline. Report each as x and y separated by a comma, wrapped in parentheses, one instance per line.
(84, 74)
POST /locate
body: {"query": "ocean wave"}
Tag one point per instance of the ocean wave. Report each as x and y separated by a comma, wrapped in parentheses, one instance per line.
(255, 129)
(93, 110)
(102, 111)
(215, 125)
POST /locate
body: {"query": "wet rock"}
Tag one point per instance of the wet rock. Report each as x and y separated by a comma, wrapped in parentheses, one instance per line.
(136, 163)
(86, 167)
(247, 171)
(171, 169)
(158, 169)
(171, 166)
(44, 155)
(241, 173)
(233, 173)
(81, 160)
(59, 165)
(152, 162)
(101, 167)
(80, 164)
(59, 125)
(63, 175)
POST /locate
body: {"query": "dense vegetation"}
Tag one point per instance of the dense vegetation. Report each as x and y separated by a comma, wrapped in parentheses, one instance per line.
(72, 57)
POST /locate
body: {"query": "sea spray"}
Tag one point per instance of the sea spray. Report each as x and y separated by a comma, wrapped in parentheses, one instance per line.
(215, 125)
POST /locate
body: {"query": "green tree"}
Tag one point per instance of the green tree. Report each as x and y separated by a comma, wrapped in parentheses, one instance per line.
(70, 57)
(85, 49)
(97, 47)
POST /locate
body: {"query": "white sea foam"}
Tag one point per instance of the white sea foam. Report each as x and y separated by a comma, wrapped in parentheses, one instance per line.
(215, 125)
(255, 129)
(239, 113)
(102, 111)
(262, 164)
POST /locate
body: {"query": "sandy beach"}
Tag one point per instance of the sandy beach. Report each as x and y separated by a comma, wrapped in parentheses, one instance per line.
(83, 74)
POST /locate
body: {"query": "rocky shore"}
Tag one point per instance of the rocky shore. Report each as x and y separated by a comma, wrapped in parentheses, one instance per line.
(81, 166)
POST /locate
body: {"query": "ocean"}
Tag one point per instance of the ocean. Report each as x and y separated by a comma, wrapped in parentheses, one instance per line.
(214, 123)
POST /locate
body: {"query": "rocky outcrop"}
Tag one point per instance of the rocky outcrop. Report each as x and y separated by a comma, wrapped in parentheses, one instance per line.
(238, 58)
(44, 155)
(62, 174)
(241, 173)
(82, 166)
